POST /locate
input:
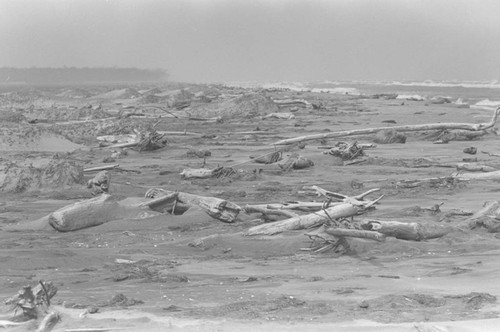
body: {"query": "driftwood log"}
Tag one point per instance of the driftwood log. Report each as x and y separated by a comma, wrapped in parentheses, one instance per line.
(405, 128)
(105, 208)
(472, 167)
(349, 208)
(495, 176)
(406, 231)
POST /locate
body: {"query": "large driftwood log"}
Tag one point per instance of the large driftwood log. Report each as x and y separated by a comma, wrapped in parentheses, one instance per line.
(199, 173)
(100, 168)
(349, 208)
(306, 221)
(340, 232)
(88, 213)
(217, 208)
(266, 211)
(420, 127)
(495, 175)
(104, 208)
(472, 167)
(406, 231)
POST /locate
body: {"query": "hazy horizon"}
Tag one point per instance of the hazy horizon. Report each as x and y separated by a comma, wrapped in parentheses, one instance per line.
(266, 40)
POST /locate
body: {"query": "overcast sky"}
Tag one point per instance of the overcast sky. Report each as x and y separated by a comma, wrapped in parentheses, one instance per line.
(259, 40)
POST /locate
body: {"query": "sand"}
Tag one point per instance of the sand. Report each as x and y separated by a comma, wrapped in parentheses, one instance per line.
(228, 282)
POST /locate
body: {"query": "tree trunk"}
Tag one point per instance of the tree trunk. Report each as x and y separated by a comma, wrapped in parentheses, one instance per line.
(343, 210)
(431, 126)
(406, 231)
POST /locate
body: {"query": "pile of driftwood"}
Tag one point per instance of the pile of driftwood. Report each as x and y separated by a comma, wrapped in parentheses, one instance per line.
(34, 303)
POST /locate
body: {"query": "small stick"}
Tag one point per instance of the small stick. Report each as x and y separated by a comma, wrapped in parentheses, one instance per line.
(45, 291)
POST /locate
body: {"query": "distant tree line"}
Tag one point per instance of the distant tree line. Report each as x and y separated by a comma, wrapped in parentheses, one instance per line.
(35, 75)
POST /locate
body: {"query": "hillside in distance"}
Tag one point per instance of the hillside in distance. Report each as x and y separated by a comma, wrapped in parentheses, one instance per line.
(35, 75)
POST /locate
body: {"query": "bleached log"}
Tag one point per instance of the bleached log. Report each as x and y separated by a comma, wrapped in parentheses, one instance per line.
(371, 235)
(123, 145)
(406, 231)
(217, 208)
(48, 322)
(260, 209)
(472, 167)
(199, 173)
(292, 102)
(164, 199)
(343, 210)
(405, 128)
(341, 197)
(100, 168)
(299, 206)
(283, 115)
(88, 213)
(495, 176)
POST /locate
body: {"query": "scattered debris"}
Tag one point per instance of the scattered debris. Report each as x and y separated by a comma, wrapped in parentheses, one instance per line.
(100, 183)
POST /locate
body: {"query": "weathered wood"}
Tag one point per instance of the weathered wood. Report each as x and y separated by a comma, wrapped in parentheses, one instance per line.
(100, 168)
(343, 210)
(48, 322)
(371, 235)
(217, 208)
(199, 173)
(495, 176)
(406, 231)
(260, 209)
(405, 128)
(341, 197)
(88, 213)
(472, 167)
(488, 217)
(164, 199)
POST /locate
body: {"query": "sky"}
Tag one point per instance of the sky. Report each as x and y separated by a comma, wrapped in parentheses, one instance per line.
(259, 40)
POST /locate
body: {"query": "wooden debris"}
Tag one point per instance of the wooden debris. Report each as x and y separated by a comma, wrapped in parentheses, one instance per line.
(420, 127)
(205, 173)
(267, 211)
(88, 213)
(295, 161)
(470, 167)
(488, 217)
(494, 176)
(100, 183)
(217, 208)
(282, 115)
(151, 140)
(349, 208)
(443, 181)
(269, 158)
(406, 231)
(341, 232)
(100, 168)
(491, 154)
(292, 102)
(33, 301)
(48, 322)
(346, 150)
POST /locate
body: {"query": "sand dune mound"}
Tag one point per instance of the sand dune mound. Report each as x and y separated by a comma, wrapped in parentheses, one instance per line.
(127, 93)
(34, 139)
(245, 106)
(57, 173)
(66, 114)
(76, 93)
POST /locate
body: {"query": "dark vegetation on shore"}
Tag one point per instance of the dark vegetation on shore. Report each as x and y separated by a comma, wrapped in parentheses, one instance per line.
(35, 75)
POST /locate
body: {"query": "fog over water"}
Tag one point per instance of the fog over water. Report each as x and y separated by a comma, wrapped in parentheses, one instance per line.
(266, 40)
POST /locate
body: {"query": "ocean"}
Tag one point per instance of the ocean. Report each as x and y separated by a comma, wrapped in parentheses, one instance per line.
(484, 95)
